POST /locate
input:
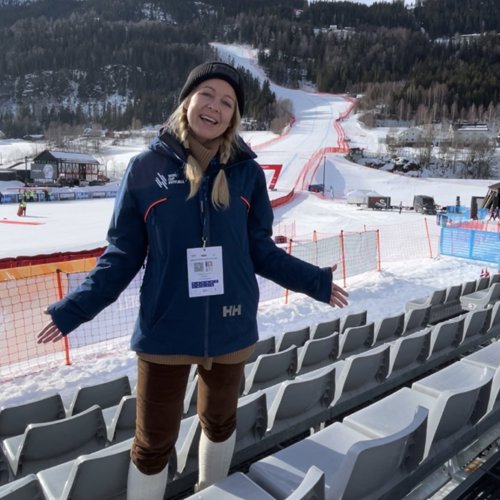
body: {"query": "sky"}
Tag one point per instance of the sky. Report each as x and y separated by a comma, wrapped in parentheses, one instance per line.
(76, 225)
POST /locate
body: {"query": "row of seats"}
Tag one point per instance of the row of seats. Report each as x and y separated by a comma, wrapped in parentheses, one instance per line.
(437, 339)
(369, 454)
(451, 301)
(373, 452)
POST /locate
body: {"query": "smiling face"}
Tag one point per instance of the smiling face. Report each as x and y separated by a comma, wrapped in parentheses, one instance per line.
(210, 109)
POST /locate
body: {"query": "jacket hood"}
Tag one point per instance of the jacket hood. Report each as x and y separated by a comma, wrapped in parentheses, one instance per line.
(167, 145)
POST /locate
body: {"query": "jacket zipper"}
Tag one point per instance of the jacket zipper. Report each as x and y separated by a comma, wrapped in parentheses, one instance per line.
(205, 216)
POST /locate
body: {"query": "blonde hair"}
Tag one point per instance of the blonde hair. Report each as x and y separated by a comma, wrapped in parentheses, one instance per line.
(179, 126)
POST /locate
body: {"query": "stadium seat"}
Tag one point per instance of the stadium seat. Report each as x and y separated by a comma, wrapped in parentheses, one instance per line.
(251, 420)
(494, 328)
(353, 319)
(457, 398)
(356, 339)
(294, 401)
(25, 488)
(416, 319)
(47, 444)
(476, 323)
(326, 328)
(105, 395)
(446, 336)
(469, 287)
(435, 298)
(186, 446)
(389, 328)
(356, 465)
(481, 298)
(297, 338)
(99, 475)
(317, 353)
(489, 357)
(122, 424)
(263, 346)
(409, 352)
(239, 486)
(482, 283)
(495, 278)
(357, 374)
(449, 307)
(191, 397)
(4, 469)
(269, 369)
(15, 419)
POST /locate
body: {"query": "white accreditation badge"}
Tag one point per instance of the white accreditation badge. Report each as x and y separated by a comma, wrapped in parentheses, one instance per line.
(205, 271)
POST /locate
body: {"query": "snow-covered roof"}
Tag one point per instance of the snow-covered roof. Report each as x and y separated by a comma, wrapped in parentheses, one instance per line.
(73, 157)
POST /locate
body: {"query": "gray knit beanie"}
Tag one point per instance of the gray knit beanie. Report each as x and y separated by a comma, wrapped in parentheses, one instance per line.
(215, 69)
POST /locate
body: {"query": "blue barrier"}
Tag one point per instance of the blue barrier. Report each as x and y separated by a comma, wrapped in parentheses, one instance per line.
(470, 244)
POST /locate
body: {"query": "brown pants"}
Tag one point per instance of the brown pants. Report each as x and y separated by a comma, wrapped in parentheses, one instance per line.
(160, 399)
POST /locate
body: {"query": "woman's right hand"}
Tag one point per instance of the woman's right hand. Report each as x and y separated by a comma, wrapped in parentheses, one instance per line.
(49, 333)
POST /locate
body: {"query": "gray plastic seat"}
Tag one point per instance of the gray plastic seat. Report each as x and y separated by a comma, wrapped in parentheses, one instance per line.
(356, 465)
(494, 327)
(481, 298)
(356, 374)
(15, 419)
(482, 283)
(389, 328)
(294, 401)
(122, 425)
(353, 319)
(449, 307)
(47, 444)
(239, 486)
(476, 323)
(251, 420)
(416, 319)
(409, 352)
(326, 328)
(296, 337)
(489, 357)
(494, 278)
(435, 298)
(263, 346)
(446, 336)
(356, 339)
(105, 395)
(469, 287)
(317, 353)
(25, 488)
(102, 474)
(270, 369)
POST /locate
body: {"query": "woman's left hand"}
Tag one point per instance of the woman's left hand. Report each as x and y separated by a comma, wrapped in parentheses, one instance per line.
(338, 297)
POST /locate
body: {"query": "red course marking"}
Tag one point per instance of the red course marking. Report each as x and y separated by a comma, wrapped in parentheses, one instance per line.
(6, 221)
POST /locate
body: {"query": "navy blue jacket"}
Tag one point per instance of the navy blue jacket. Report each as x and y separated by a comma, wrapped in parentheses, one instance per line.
(154, 223)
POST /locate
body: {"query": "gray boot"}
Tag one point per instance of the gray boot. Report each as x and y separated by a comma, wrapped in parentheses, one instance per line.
(214, 460)
(143, 487)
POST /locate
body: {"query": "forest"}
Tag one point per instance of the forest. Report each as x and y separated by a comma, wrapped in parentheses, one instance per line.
(121, 63)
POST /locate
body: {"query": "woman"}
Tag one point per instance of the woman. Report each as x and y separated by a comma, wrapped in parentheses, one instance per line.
(195, 207)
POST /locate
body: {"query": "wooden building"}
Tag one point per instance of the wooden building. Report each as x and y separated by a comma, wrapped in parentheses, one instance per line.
(64, 167)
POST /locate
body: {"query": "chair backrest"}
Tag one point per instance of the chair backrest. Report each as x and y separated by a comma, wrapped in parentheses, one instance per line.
(372, 466)
(438, 297)
(15, 419)
(416, 319)
(389, 328)
(495, 278)
(317, 353)
(251, 420)
(263, 346)
(105, 395)
(297, 338)
(410, 350)
(469, 287)
(353, 319)
(271, 369)
(326, 328)
(447, 335)
(494, 328)
(301, 398)
(453, 293)
(482, 283)
(26, 488)
(476, 323)
(99, 475)
(123, 424)
(312, 486)
(48, 444)
(355, 339)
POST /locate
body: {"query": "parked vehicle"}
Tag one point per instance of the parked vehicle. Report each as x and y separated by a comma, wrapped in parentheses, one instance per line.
(424, 204)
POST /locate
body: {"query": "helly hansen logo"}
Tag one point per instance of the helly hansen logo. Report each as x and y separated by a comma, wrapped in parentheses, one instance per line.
(231, 310)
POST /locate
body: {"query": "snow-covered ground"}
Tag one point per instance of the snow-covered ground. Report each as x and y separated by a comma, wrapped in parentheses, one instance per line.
(82, 224)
